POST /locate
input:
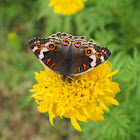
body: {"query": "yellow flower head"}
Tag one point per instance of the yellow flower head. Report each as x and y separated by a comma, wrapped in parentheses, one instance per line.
(12, 36)
(67, 7)
(83, 100)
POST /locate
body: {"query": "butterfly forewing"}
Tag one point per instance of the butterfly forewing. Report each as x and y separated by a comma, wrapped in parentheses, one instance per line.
(48, 51)
(88, 57)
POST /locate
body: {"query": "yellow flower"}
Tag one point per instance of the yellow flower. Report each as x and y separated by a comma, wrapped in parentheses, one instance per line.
(67, 7)
(86, 101)
(12, 36)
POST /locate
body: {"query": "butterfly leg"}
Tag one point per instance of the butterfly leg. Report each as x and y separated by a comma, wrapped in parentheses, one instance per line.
(54, 81)
(73, 80)
(69, 86)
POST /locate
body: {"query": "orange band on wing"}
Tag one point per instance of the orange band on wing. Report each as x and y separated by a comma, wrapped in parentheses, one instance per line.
(53, 64)
(98, 55)
(41, 46)
(65, 42)
(51, 46)
(84, 66)
(88, 51)
(77, 44)
(48, 60)
(79, 69)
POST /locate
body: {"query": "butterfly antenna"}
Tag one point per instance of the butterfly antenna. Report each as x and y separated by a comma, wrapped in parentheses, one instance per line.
(54, 81)
(73, 80)
(69, 87)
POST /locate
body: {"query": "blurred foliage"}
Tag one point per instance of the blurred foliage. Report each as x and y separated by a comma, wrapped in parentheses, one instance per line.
(114, 24)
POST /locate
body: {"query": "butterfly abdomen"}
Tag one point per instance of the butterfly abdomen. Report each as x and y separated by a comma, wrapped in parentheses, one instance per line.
(67, 62)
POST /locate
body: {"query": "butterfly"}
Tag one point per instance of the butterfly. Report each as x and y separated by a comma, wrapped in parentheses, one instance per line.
(68, 55)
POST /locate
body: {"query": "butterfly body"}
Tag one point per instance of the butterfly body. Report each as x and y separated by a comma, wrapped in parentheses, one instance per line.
(68, 55)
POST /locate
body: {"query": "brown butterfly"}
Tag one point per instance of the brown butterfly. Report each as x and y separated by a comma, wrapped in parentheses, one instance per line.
(68, 55)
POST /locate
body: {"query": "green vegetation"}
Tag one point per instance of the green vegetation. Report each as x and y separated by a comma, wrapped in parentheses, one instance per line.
(115, 24)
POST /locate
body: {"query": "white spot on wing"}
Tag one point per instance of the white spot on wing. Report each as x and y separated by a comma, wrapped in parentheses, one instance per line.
(41, 55)
(35, 48)
(102, 58)
(93, 63)
(46, 44)
(93, 50)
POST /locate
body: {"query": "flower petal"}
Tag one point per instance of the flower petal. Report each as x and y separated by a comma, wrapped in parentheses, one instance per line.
(75, 123)
(111, 100)
(104, 107)
(51, 116)
(113, 73)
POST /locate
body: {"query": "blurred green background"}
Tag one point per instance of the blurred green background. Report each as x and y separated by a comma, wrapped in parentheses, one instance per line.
(115, 24)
